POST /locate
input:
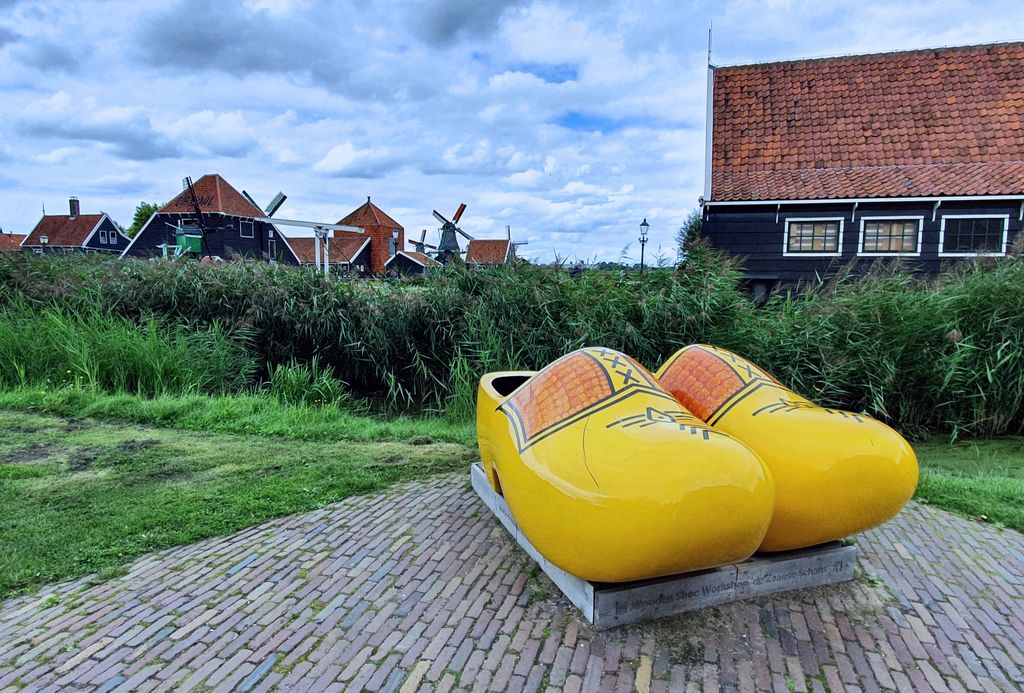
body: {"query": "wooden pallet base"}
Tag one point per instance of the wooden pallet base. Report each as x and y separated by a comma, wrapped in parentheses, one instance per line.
(610, 605)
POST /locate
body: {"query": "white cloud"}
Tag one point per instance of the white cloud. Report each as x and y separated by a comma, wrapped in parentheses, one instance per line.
(224, 134)
(346, 159)
(58, 155)
(569, 121)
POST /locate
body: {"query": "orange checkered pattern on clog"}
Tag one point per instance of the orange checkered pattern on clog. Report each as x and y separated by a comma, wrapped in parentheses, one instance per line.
(567, 387)
(701, 381)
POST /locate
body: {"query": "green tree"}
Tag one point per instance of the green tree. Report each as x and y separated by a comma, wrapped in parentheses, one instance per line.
(142, 214)
(688, 233)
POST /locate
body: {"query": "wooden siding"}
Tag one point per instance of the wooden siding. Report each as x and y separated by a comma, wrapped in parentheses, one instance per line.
(108, 226)
(362, 258)
(751, 233)
(227, 244)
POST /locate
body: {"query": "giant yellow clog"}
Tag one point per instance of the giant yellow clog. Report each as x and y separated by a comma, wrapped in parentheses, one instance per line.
(610, 478)
(836, 473)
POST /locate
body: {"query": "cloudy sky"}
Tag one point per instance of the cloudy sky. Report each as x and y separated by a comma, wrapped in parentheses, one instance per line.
(569, 121)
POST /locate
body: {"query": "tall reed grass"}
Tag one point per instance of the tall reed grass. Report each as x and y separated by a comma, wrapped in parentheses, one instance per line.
(945, 354)
(99, 350)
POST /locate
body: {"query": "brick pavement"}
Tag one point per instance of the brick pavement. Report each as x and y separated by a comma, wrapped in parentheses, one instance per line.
(419, 589)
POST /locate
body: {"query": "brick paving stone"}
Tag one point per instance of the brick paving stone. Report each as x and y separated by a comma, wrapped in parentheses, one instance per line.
(419, 588)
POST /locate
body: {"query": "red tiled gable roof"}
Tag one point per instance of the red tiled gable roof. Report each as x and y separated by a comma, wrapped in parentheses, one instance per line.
(215, 196)
(342, 249)
(62, 230)
(418, 258)
(369, 214)
(487, 252)
(947, 121)
(10, 241)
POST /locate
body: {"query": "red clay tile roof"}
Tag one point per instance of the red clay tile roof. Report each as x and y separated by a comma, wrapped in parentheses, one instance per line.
(369, 214)
(10, 241)
(418, 258)
(62, 230)
(487, 252)
(947, 121)
(340, 249)
(216, 196)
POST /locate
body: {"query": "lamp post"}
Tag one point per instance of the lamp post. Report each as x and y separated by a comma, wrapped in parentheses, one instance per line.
(43, 240)
(644, 227)
(394, 242)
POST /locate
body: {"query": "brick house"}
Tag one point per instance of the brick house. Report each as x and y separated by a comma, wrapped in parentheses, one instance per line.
(482, 251)
(814, 164)
(380, 228)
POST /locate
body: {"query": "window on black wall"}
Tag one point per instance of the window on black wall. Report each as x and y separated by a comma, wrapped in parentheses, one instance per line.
(891, 236)
(813, 236)
(245, 229)
(973, 235)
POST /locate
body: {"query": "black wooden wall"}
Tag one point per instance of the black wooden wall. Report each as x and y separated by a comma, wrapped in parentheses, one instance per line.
(119, 244)
(752, 233)
(228, 243)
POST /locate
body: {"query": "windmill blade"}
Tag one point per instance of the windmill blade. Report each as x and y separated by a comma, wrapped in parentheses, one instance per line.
(276, 203)
(464, 234)
(440, 218)
(249, 197)
(458, 213)
(423, 236)
(195, 201)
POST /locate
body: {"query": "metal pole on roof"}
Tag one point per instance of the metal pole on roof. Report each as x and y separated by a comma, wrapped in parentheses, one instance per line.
(711, 26)
(327, 263)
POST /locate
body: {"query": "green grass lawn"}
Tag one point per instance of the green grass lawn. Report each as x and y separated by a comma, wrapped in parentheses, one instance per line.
(980, 479)
(85, 495)
(90, 481)
(258, 415)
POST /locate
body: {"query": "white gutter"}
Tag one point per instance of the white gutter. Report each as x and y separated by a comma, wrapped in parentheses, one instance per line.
(708, 129)
(866, 200)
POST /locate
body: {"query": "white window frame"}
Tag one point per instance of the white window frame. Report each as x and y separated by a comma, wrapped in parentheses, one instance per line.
(942, 234)
(800, 220)
(241, 228)
(103, 236)
(920, 236)
(271, 249)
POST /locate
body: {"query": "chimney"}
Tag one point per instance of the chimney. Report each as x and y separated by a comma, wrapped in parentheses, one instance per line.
(73, 205)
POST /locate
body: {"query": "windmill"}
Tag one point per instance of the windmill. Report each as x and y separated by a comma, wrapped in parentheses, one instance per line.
(190, 234)
(449, 245)
(421, 245)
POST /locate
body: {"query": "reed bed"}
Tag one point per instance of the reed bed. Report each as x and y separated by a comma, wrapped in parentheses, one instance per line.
(940, 355)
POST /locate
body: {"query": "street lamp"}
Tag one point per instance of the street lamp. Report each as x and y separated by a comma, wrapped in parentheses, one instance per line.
(394, 242)
(644, 227)
(43, 240)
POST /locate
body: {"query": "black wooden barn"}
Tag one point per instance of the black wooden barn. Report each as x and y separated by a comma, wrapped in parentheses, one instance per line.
(234, 232)
(816, 164)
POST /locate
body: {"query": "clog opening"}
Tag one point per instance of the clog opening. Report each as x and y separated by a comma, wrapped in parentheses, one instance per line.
(505, 385)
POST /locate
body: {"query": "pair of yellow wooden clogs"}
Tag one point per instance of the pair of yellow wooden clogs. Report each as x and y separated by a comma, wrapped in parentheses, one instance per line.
(615, 474)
